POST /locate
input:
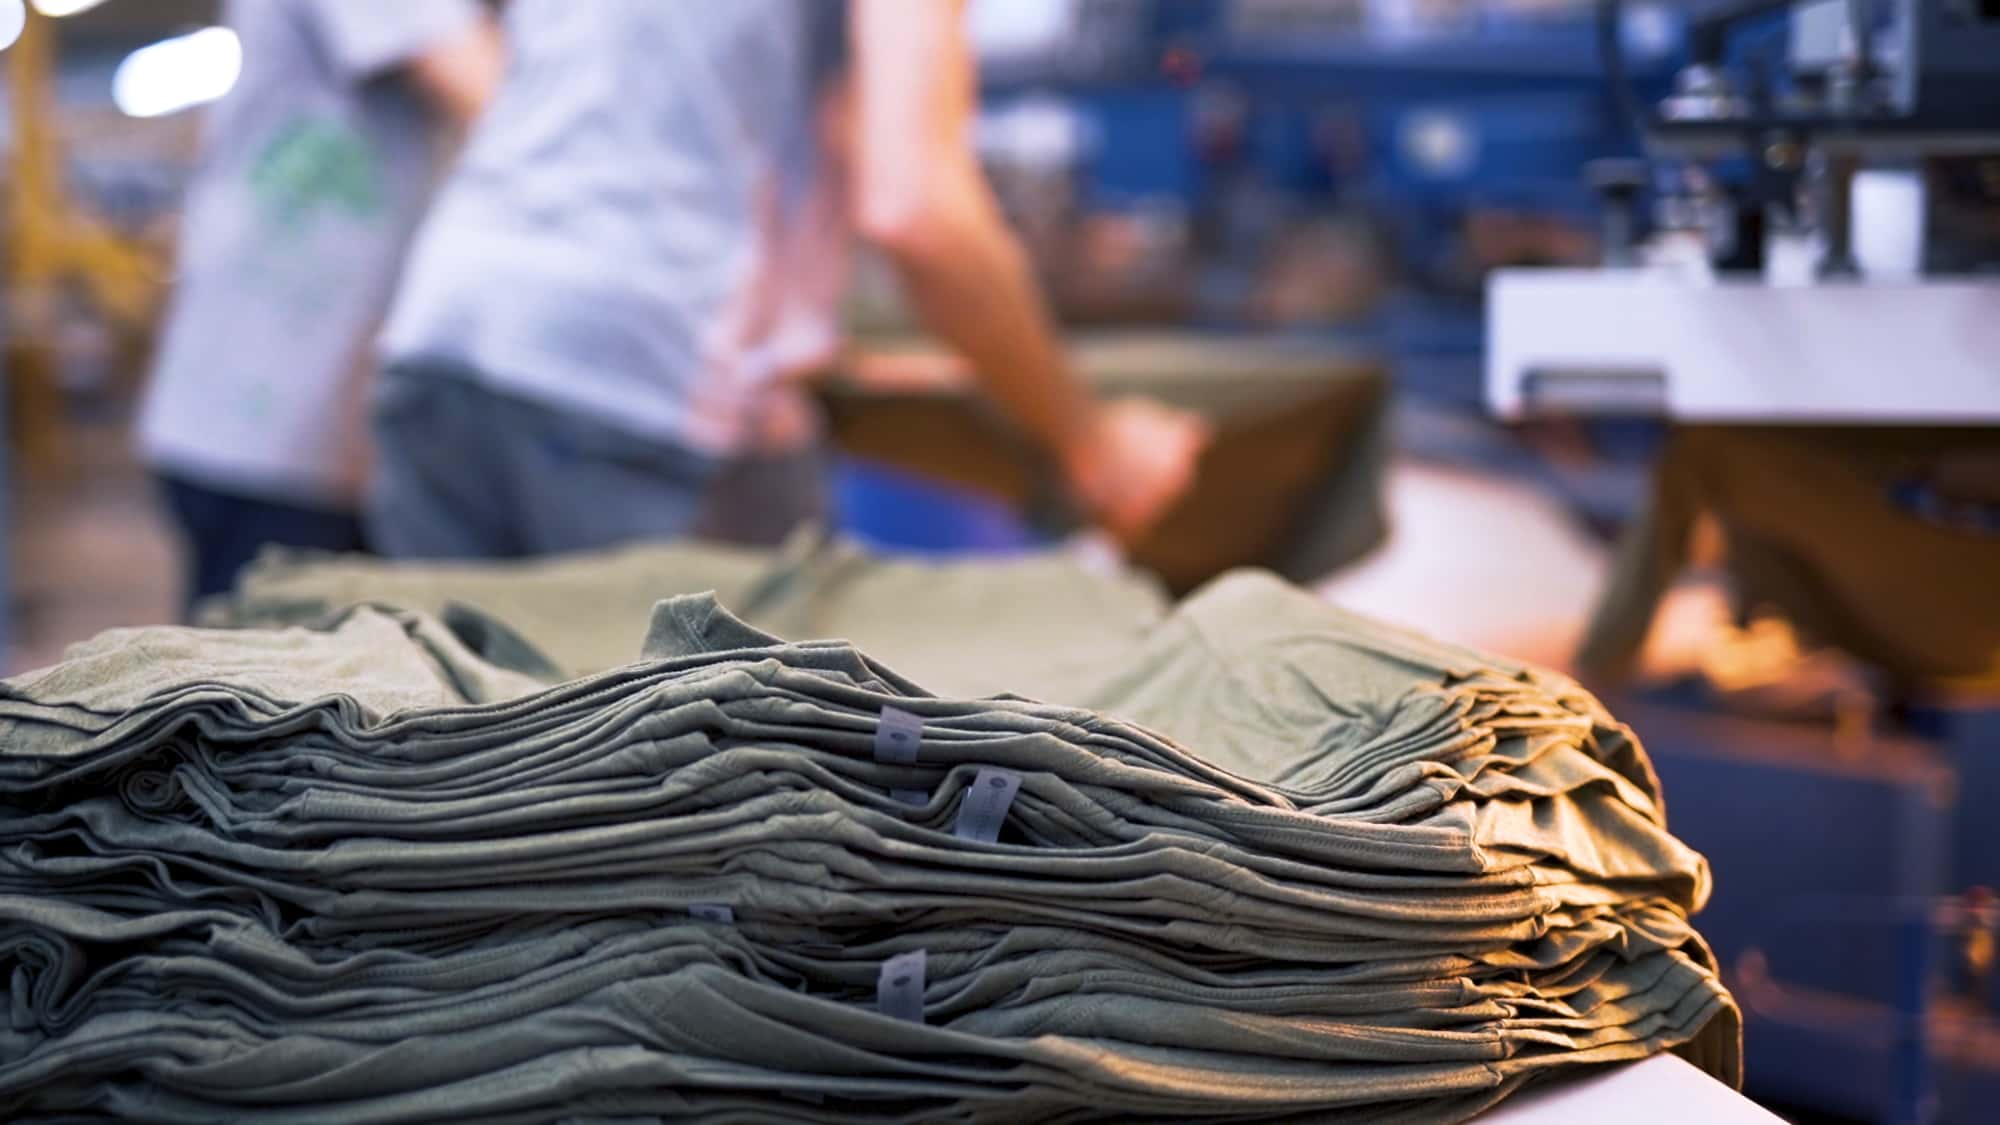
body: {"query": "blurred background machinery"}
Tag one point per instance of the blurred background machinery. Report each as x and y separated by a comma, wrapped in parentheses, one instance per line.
(91, 193)
(101, 128)
(1801, 279)
(90, 199)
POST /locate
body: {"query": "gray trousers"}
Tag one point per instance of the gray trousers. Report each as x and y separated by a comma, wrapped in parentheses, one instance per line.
(466, 472)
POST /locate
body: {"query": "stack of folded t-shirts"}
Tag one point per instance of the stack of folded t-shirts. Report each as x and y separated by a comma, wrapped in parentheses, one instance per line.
(1274, 862)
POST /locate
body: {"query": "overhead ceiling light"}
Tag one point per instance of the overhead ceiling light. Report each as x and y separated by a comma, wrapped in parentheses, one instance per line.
(57, 9)
(13, 18)
(178, 73)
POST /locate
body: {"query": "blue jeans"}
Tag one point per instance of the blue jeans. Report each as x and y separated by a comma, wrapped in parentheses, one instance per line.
(225, 530)
(463, 471)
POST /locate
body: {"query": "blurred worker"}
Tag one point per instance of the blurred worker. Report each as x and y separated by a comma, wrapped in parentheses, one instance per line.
(646, 240)
(316, 167)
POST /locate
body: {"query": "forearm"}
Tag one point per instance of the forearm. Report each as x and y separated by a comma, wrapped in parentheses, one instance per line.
(920, 196)
(973, 288)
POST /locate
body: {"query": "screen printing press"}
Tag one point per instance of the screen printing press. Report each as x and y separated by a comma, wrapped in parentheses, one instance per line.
(1807, 259)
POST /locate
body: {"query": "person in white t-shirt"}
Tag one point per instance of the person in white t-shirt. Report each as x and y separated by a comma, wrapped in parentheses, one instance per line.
(315, 169)
(647, 238)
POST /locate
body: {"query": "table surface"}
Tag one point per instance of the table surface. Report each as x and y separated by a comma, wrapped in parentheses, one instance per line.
(1662, 1090)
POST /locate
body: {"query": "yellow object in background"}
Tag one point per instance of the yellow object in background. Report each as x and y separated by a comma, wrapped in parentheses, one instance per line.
(54, 245)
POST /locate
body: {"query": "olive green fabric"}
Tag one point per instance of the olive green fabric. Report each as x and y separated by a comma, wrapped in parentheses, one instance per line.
(1267, 861)
(1815, 532)
(1034, 624)
(1291, 479)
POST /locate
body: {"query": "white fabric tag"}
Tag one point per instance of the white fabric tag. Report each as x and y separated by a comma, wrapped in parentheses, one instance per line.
(899, 990)
(898, 736)
(915, 797)
(712, 912)
(985, 806)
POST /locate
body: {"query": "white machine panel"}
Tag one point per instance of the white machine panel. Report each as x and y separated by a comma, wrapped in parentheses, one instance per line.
(1639, 342)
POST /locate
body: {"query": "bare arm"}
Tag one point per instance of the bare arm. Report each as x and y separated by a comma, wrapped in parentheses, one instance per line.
(921, 197)
(459, 76)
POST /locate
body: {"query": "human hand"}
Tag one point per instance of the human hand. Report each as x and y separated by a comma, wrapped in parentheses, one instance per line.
(1133, 461)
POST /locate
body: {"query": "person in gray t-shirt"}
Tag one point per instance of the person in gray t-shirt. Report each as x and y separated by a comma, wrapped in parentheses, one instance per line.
(599, 332)
(316, 167)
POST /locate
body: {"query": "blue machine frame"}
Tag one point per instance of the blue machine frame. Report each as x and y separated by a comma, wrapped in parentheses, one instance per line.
(1839, 914)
